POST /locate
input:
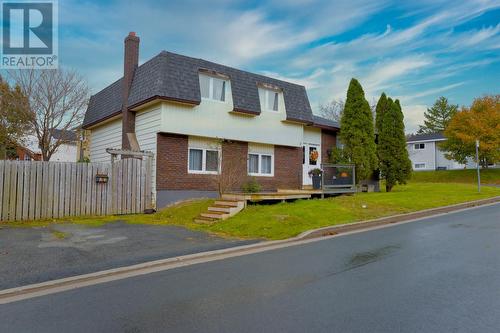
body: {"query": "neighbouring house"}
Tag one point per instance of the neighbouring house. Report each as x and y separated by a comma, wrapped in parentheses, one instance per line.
(200, 118)
(425, 153)
(67, 150)
(22, 153)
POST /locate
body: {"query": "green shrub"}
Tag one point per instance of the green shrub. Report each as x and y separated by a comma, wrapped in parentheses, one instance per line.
(251, 186)
(338, 156)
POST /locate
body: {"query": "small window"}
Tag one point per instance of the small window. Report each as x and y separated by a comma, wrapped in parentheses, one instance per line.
(213, 88)
(313, 156)
(260, 165)
(195, 159)
(269, 99)
(203, 161)
(253, 163)
(419, 165)
(212, 160)
(419, 146)
(266, 164)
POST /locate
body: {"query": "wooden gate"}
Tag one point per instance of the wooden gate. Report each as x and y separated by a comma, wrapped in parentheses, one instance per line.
(32, 190)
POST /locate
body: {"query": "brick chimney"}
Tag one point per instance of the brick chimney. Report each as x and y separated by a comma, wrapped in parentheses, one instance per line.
(131, 61)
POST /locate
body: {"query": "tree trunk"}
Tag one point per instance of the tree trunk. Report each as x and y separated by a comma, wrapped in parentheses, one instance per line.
(388, 188)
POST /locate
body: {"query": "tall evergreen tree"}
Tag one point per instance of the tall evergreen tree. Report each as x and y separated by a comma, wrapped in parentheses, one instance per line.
(379, 111)
(395, 165)
(438, 116)
(357, 131)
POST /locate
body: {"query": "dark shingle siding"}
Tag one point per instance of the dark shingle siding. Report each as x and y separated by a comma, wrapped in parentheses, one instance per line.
(424, 137)
(175, 76)
(104, 104)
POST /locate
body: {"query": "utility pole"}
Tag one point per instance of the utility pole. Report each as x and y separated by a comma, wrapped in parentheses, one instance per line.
(477, 165)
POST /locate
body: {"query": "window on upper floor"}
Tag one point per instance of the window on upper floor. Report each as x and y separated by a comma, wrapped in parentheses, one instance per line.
(419, 146)
(213, 88)
(269, 99)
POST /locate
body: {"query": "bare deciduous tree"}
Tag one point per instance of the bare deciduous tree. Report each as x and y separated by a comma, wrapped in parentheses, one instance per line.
(230, 168)
(58, 99)
(332, 110)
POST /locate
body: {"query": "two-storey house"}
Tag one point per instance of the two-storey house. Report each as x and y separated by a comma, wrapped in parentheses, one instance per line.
(425, 153)
(196, 115)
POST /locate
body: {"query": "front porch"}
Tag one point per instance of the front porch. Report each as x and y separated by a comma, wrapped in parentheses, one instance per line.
(335, 179)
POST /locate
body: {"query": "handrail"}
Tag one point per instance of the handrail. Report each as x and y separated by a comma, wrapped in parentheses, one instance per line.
(335, 182)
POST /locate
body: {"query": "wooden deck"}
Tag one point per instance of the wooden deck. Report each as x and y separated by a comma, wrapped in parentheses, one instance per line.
(283, 195)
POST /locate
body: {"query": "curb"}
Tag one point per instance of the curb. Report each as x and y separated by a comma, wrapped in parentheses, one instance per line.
(333, 230)
(69, 283)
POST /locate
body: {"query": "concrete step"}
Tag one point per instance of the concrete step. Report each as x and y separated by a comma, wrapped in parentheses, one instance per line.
(205, 220)
(222, 208)
(228, 203)
(215, 215)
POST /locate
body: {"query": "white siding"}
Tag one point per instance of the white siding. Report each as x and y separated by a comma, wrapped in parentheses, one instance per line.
(147, 125)
(214, 119)
(204, 143)
(65, 153)
(312, 135)
(105, 136)
(433, 157)
(260, 149)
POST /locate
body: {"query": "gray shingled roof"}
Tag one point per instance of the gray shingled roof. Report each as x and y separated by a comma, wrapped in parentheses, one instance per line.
(175, 77)
(425, 137)
(64, 135)
(325, 123)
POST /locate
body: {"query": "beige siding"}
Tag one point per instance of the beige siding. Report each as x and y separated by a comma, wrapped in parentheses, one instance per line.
(105, 136)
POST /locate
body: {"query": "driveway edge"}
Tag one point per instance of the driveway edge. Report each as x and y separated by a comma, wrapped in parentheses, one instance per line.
(64, 284)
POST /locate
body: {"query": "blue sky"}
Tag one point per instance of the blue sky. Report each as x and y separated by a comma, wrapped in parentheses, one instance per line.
(412, 50)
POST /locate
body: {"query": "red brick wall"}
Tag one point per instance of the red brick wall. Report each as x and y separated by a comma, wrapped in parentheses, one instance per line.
(328, 141)
(172, 164)
(172, 161)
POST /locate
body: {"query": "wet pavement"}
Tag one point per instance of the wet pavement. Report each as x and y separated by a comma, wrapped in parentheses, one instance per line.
(32, 255)
(440, 274)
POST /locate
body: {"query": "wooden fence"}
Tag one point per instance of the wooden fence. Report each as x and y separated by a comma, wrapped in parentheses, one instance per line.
(41, 190)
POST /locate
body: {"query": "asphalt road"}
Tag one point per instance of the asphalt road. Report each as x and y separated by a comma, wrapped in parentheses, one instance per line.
(436, 275)
(33, 255)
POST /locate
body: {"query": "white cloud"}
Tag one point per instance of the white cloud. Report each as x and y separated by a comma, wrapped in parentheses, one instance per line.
(390, 70)
(413, 116)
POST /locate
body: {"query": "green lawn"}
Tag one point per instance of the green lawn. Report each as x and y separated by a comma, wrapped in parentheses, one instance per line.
(469, 176)
(284, 220)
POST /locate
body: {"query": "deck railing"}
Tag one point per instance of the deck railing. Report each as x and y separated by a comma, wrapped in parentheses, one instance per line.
(337, 176)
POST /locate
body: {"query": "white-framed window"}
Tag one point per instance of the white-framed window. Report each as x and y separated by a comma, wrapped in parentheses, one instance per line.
(213, 88)
(269, 99)
(419, 166)
(260, 164)
(419, 146)
(202, 160)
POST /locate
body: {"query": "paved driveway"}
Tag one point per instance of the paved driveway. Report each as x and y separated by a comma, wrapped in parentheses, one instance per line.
(32, 255)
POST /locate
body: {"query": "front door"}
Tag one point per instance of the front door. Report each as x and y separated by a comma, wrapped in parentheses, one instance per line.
(311, 159)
